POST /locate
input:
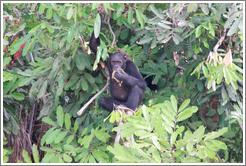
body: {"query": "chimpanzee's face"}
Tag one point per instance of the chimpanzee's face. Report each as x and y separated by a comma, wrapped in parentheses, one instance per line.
(117, 61)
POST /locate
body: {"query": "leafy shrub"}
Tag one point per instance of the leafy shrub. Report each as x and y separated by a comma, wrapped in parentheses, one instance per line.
(158, 137)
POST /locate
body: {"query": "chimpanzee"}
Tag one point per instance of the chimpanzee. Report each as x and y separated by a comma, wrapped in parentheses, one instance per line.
(127, 85)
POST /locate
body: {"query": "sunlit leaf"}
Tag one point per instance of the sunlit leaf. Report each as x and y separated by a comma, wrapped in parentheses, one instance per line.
(49, 121)
(97, 26)
(67, 121)
(26, 156)
(70, 13)
(35, 153)
(184, 105)
(43, 89)
(59, 115)
(18, 96)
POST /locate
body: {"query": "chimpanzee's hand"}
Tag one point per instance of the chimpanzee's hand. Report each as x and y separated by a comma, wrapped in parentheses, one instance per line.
(121, 75)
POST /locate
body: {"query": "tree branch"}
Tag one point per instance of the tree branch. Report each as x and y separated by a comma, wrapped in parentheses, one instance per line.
(219, 41)
(112, 32)
(93, 98)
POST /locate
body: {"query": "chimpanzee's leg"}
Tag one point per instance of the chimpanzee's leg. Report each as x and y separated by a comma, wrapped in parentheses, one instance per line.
(108, 103)
(135, 97)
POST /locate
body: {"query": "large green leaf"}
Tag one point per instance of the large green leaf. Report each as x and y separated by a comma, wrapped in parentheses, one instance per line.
(43, 89)
(70, 13)
(186, 113)
(184, 105)
(49, 13)
(97, 26)
(59, 115)
(67, 121)
(140, 18)
(60, 137)
(49, 121)
(215, 134)
(35, 153)
(26, 156)
(234, 27)
(18, 96)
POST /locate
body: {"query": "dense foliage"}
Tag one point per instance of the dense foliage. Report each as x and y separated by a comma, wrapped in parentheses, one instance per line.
(192, 51)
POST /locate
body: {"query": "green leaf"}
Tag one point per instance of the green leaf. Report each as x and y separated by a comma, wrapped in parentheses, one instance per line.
(210, 153)
(227, 75)
(191, 159)
(145, 40)
(41, 9)
(205, 71)
(7, 76)
(68, 147)
(165, 26)
(49, 13)
(100, 136)
(49, 121)
(198, 31)
(189, 147)
(43, 89)
(198, 134)
(6, 61)
(201, 153)
(184, 105)
(76, 126)
(26, 156)
(35, 153)
(191, 7)
(56, 18)
(174, 103)
(186, 113)
(52, 136)
(18, 96)
(140, 18)
(97, 26)
(112, 117)
(87, 140)
(67, 158)
(59, 115)
(17, 28)
(130, 16)
(205, 9)
(84, 131)
(154, 10)
(217, 134)
(156, 143)
(43, 140)
(156, 155)
(67, 121)
(50, 29)
(234, 27)
(84, 85)
(60, 137)
(16, 45)
(70, 13)
(173, 138)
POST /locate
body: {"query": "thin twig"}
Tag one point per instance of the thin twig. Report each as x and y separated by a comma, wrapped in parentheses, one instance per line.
(31, 121)
(110, 28)
(93, 98)
(219, 157)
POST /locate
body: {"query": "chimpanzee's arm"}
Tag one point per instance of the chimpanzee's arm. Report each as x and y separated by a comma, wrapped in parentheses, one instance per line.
(95, 42)
(132, 76)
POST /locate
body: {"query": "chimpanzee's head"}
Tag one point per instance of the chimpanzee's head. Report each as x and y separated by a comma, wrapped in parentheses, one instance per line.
(116, 61)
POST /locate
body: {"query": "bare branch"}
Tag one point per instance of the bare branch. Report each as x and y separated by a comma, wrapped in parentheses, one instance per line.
(219, 42)
(93, 98)
(110, 28)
